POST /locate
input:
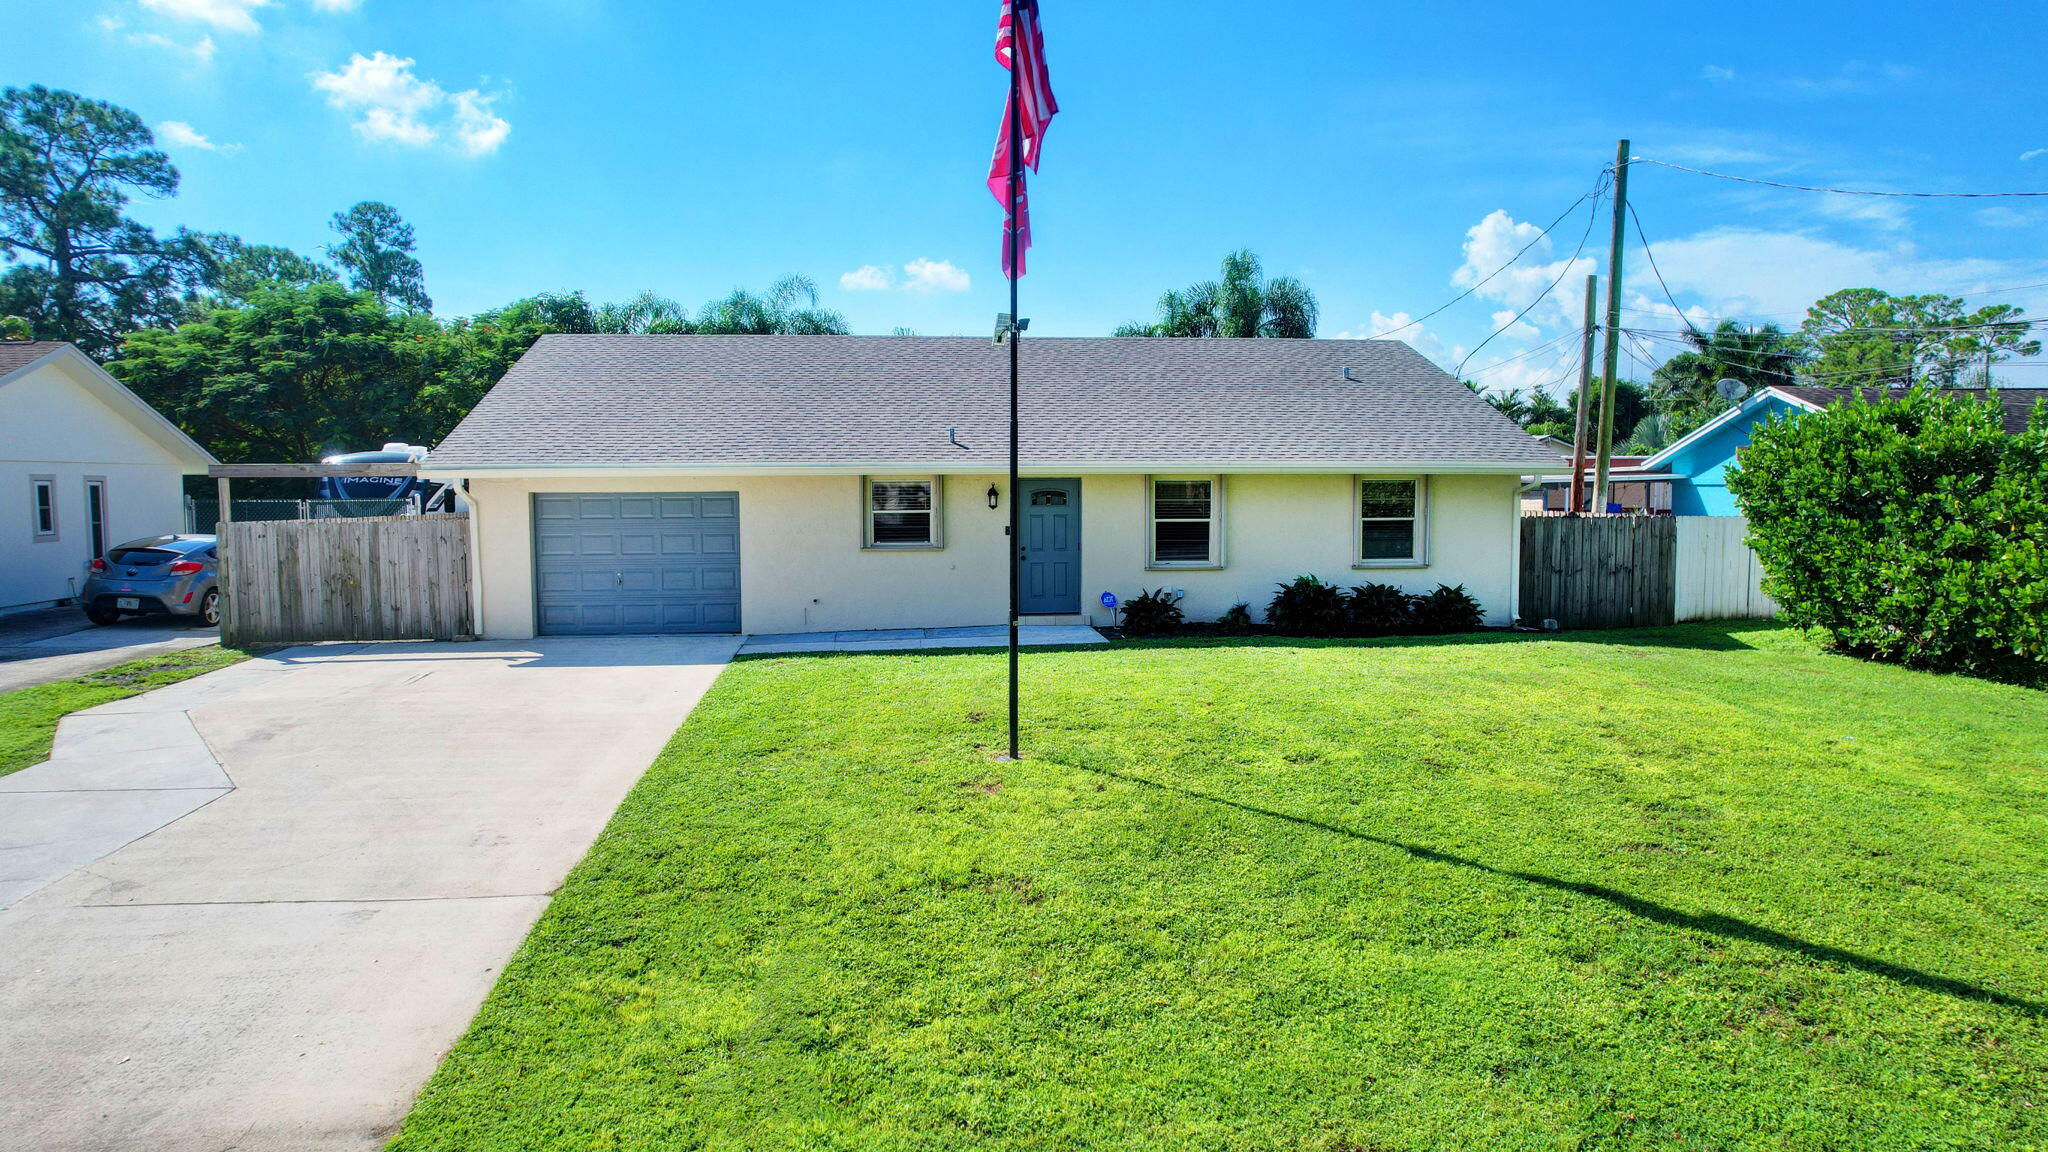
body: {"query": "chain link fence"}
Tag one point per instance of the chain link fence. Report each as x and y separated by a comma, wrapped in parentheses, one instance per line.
(202, 515)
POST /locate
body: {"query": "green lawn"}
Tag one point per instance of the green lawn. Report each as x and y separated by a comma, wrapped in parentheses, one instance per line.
(1698, 888)
(28, 716)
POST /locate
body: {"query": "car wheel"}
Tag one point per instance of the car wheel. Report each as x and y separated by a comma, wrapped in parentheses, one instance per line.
(209, 608)
(102, 616)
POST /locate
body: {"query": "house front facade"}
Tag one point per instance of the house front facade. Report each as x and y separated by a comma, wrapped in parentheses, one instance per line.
(627, 484)
(84, 464)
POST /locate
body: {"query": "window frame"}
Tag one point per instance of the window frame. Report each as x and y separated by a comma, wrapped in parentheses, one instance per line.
(96, 484)
(1215, 519)
(42, 492)
(935, 538)
(1419, 555)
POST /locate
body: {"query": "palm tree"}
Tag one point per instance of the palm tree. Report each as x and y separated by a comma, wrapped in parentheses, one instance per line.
(1683, 387)
(646, 315)
(789, 307)
(1242, 303)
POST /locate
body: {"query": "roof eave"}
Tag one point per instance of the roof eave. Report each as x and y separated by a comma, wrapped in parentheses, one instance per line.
(457, 470)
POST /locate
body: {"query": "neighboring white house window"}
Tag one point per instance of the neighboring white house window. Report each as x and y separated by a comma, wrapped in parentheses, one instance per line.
(43, 506)
(1390, 522)
(902, 513)
(1186, 518)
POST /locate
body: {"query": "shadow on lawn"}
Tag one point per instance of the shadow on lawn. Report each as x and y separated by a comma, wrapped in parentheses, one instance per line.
(1708, 636)
(1724, 926)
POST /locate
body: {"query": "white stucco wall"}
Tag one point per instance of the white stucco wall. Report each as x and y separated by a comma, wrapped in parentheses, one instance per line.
(50, 425)
(802, 567)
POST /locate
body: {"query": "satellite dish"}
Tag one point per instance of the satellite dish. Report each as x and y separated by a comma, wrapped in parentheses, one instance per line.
(1729, 389)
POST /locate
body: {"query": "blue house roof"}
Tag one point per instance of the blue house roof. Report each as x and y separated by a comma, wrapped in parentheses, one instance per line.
(1700, 459)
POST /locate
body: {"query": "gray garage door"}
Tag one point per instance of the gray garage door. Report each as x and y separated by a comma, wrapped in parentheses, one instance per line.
(637, 562)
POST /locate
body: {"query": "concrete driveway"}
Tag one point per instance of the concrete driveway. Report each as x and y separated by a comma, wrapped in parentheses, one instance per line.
(58, 643)
(283, 967)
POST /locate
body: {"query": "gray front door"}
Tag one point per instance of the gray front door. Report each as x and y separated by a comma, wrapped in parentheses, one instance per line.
(1049, 564)
(636, 562)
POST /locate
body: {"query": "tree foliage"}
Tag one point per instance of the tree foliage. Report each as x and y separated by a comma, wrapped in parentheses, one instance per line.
(296, 372)
(80, 269)
(788, 308)
(1913, 530)
(1683, 390)
(376, 251)
(1243, 302)
(1864, 336)
(242, 269)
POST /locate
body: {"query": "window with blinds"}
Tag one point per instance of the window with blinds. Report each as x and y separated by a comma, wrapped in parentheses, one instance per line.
(1390, 519)
(902, 513)
(1186, 516)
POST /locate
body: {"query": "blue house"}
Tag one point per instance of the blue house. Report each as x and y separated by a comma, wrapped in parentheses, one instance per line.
(1696, 465)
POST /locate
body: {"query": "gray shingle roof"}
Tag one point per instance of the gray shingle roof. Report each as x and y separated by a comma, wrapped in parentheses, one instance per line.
(809, 401)
(20, 353)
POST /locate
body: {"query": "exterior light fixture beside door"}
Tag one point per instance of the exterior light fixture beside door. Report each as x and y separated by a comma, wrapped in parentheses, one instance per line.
(994, 497)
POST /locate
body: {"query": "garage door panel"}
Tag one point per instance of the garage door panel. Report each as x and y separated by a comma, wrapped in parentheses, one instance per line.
(633, 562)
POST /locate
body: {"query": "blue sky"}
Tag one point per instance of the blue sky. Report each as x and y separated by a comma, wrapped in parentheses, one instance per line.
(1381, 153)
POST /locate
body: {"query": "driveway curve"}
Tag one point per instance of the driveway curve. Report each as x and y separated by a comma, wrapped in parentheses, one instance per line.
(284, 966)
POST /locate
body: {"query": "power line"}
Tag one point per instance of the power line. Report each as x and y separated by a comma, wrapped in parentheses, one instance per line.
(1835, 191)
(1525, 353)
(1599, 187)
(1645, 241)
(1591, 216)
(2028, 322)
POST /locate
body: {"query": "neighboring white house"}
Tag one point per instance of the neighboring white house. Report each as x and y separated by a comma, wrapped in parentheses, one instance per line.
(765, 484)
(84, 465)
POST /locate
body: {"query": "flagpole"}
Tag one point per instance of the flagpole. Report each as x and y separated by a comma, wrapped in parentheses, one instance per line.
(1017, 56)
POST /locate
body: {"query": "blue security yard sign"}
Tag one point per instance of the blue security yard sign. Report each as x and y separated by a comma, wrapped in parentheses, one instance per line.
(1109, 600)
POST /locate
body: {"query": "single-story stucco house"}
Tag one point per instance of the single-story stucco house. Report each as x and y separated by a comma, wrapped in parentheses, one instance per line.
(768, 484)
(85, 464)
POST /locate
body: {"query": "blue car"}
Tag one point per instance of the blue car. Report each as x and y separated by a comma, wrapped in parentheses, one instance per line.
(179, 575)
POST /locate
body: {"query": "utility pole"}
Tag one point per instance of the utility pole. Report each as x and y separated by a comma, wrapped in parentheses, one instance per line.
(1578, 490)
(1612, 362)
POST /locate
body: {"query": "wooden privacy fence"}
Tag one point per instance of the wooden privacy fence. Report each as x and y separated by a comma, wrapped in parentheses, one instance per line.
(1638, 571)
(372, 578)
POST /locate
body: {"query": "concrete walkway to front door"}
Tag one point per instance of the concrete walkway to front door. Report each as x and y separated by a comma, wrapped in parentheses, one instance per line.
(283, 967)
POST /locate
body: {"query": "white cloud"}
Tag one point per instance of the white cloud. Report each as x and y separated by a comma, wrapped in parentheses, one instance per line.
(934, 276)
(866, 278)
(2033, 154)
(337, 5)
(1758, 273)
(2006, 216)
(1889, 214)
(919, 275)
(1717, 73)
(200, 51)
(179, 134)
(392, 105)
(478, 130)
(226, 15)
(1494, 241)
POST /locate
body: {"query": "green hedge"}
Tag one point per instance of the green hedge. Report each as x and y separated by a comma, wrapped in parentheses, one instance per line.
(1913, 530)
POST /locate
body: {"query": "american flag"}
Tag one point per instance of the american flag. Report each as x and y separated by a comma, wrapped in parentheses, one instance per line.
(1020, 47)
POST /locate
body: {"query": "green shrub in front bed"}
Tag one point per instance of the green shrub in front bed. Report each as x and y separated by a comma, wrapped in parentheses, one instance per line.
(1379, 610)
(1447, 609)
(1913, 530)
(1307, 607)
(1155, 613)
